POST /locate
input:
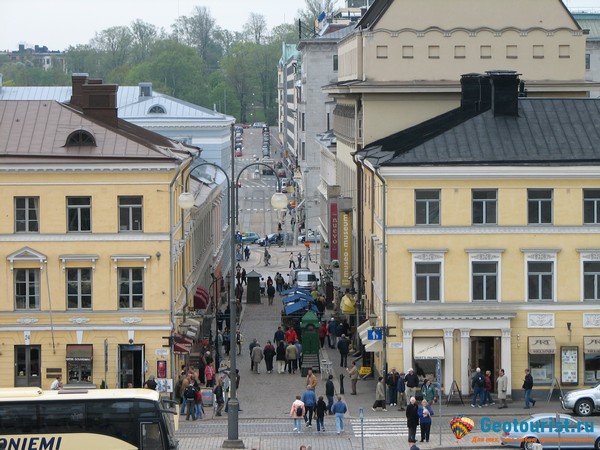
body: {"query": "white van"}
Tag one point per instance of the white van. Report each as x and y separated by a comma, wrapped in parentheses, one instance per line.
(305, 279)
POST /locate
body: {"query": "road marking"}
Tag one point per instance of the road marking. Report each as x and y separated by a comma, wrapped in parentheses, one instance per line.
(379, 427)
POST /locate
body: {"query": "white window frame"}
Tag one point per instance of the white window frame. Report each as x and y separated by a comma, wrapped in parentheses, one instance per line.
(486, 255)
(586, 255)
(427, 256)
(428, 202)
(540, 255)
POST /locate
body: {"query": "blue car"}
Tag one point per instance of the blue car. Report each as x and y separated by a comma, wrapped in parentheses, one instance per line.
(250, 237)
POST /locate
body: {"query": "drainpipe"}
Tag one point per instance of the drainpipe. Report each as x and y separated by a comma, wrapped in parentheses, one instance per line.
(384, 269)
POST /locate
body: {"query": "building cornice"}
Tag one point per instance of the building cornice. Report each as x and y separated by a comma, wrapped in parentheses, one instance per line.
(66, 167)
(483, 172)
(26, 238)
(492, 230)
(453, 310)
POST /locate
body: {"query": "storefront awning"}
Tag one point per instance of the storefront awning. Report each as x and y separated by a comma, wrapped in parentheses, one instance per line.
(79, 352)
(591, 344)
(201, 298)
(363, 330)
(374, 346)
(182, 349)
(542, 345)
(428, 348)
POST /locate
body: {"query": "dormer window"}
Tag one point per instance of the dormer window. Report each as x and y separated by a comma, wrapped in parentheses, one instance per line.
(80, 138)
(157, 109)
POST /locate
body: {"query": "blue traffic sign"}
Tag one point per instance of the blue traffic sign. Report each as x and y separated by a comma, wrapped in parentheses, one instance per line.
(374, 335)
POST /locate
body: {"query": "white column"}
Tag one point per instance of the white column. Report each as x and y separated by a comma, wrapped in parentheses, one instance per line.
(448, 359)
(408, 349)
(465, 340)
(506, 356)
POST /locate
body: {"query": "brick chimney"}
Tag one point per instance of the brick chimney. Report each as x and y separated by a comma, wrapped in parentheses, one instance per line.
(505, 92)
(97, 100)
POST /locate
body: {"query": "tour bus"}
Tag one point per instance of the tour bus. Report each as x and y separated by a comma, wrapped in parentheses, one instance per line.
(95, 419)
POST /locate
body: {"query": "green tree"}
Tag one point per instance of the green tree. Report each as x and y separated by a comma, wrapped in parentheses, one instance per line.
(238, 70)
(144, 36)
(84, 59)
(115, 43)
(196, 30)
(255, 28)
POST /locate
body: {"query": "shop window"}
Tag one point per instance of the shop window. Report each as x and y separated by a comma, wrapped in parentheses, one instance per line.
(542, 368)
(591, 351)
(79, 363)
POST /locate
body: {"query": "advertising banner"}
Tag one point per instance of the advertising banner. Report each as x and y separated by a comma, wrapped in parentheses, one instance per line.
(345, 248)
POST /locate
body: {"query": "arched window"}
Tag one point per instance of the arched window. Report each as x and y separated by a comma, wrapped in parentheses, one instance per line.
(157, 109)
(80, 138)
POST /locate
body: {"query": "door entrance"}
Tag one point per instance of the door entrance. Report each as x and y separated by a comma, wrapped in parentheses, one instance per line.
(485, 354)
(27, 366)
(131, 365)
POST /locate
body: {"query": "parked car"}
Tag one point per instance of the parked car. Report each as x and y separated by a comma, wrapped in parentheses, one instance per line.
(258, 125)
(273, 238)
(552, 431)
(250, 237)
(582, 402)
(312, 237)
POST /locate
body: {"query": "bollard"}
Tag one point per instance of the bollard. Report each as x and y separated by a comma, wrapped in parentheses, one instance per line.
(341, 383)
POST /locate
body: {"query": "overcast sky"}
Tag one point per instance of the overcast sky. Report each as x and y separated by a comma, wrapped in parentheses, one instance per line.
(60, 23)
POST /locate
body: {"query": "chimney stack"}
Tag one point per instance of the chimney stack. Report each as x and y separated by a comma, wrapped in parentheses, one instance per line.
(475, 92)
(96, 100)
(505, 92)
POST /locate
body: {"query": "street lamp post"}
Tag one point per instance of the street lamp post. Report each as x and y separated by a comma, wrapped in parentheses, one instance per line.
(186, 201)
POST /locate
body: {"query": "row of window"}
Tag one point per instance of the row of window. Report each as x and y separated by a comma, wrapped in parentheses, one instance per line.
(79, 214)
(485, 281)
(485, 51)
(484, 206)
(79, 288)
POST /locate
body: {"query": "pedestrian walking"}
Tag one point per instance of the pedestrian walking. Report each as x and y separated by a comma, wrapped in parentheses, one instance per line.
(502, 383)
(291, 356)
(299, 266)
(478, 385)
(251, 346)
(292, 262)
(331, 326)
(280, 357)
(247, 253)
(339, 408)
(343, 346)
(244, 280)
(269, 353)
(270, 293)
(219, 397)
(528, 387)
(353, 373)
(428, 391)
(278, 336)
(309, 398)
(257, 357)
(412, 419)
(267, 257)
(297, 413)
(239, 340)
(321, 409)
(190, 401)
(379, 395)
(329, 393)
(412, 381)
(322, 333)
(425, 412)
(311, 379)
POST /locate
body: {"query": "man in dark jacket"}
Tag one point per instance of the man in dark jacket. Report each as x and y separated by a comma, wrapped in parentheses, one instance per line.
(392, 384)
(478, 386)
(344, 348)
(528, 387)
(411, 379)
(412, 419)
(329, 393)
(401, 389)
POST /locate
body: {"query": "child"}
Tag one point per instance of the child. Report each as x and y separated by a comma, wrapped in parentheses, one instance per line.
(321, 408)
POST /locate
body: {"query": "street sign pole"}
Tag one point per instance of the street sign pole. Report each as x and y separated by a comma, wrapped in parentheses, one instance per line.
(361, 414)
(438, 374)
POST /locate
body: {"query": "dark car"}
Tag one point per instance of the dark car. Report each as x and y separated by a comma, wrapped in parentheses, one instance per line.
(273, 238)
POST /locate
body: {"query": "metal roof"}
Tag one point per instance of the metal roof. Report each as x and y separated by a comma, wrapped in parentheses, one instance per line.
(546, 131)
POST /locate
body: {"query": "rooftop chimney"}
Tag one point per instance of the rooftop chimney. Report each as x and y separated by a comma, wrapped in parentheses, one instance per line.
(475, 92)
(97, 100)
(505, 92)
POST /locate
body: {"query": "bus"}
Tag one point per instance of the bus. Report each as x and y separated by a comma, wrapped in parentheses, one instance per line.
(94, 419)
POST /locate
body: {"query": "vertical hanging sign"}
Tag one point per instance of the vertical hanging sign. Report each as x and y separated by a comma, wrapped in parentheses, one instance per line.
(345, 248)
(334, 231)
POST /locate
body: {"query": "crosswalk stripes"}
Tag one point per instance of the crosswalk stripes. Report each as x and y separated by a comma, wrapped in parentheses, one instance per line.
(380, 427)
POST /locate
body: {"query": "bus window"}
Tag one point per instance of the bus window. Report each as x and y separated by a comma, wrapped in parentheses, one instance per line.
(151, 437)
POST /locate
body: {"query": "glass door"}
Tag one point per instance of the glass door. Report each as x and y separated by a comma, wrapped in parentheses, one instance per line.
(27, 366)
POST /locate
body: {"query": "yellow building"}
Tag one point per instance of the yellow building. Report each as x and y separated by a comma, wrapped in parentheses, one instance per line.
(482, 238)
(91, 236)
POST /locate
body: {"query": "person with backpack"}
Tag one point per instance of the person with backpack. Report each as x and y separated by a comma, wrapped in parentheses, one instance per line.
(190, 400)
(297, 414)
(478, 385)
(339, 408)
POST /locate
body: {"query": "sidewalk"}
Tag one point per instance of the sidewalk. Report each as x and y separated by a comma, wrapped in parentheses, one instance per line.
(265, 399)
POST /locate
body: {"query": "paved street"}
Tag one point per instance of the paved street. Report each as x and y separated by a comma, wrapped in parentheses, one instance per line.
(265, 399)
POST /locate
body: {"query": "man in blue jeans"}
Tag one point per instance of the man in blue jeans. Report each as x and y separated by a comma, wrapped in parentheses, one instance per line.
(478, 385)
(528, 387)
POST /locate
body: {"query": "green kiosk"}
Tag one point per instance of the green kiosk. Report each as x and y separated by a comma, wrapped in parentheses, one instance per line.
(310, 343)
